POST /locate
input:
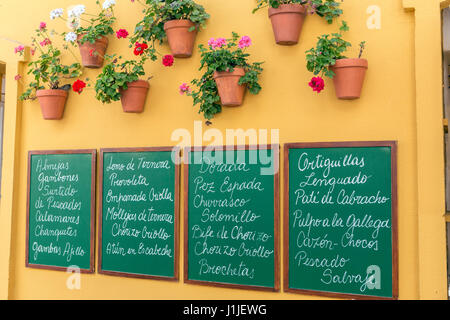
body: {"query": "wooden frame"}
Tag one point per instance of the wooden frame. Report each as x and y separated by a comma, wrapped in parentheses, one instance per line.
(93, 152)
(176, 214)
(394, 215)
(276, 149)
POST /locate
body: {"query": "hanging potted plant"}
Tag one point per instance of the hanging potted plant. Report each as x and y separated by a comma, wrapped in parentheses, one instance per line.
(178, 20)
(227, 74)
(121, 80)
(287, 16)
(50, 75)
(91, 38)
(327, 59)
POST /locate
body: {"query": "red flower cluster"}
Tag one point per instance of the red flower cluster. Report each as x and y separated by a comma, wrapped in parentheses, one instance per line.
(45, 42)
(78, 86)
(122, 33)
(167, 60)
(139, 48)
(317, 84)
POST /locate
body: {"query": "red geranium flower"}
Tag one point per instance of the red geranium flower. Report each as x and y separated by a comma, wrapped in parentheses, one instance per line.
(317, 84)
(45, 42)
(139, 48)
(78, 86)
(167, 60)
(122, 33)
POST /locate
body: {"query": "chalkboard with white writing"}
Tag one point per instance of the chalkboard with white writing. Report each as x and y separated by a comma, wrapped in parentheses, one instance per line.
(138, 220)
(61, 210)
(340, 223)
(232, 216)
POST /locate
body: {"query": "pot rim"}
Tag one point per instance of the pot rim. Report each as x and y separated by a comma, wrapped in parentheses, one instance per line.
(51, 92)
(351, 63)
(103, 39)
(287, 8)
(178, 23)
(139, 84)
(238, 71)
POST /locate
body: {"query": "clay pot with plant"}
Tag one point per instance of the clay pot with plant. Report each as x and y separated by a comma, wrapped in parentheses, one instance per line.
(91, 39)
(287, 16)
(121, 80)
(50, 84)
(227, 75)
(328, 59)
(176, 20)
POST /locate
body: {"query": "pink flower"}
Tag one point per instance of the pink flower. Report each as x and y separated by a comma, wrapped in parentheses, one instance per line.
(45, 42)
(33, 51)
(122, 33)
(217, 43)
(167, 60)
(184, 88)
(17, 77)
(245, 42)
(42, 25)
(19, 49)
(220, 42)
(317, 84)
(312, 8)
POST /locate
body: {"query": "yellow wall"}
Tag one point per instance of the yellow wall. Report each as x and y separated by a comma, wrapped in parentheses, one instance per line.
(401, 100)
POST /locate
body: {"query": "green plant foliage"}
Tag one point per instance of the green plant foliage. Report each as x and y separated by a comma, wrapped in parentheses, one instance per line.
(222, 58)
(47, 70)
(116, 75)
(329, 48)
(151, 28)
(327, 9)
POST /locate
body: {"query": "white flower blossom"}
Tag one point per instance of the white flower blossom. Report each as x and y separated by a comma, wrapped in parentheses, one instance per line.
(71, 37)
(108, 3)
(77, 11)
(56, 13)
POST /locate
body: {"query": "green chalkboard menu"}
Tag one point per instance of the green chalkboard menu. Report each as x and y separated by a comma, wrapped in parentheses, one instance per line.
(232, 216)
(138, 215)
(61, 210)
(340, 223)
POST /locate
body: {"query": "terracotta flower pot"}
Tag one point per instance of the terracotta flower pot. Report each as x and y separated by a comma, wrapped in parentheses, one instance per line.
(52, 103)
(287, 22)
(92, 54)
(181, 40)
(349, 78)
(230, 91)
(133, 98)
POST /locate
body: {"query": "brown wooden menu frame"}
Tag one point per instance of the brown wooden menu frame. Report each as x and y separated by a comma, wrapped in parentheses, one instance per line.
(276, 155)
(176, 215)
(352, 144)
(93, 152)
